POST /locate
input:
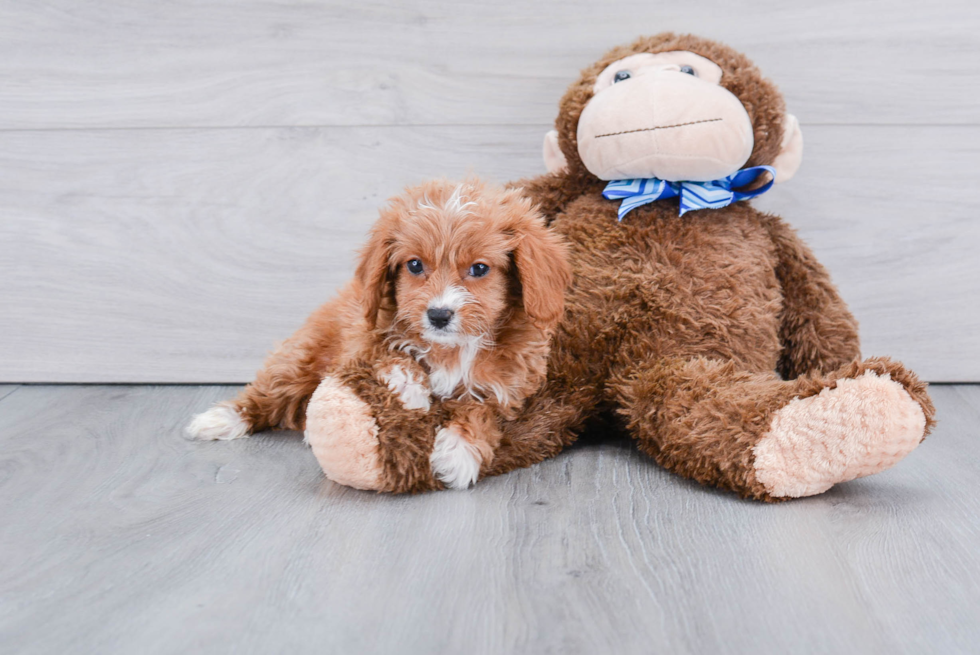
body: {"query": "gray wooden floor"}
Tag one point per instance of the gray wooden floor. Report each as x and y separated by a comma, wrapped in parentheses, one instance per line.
(120, 536)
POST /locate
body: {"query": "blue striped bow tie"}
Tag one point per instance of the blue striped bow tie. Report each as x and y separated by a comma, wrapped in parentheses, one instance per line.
(694, 195)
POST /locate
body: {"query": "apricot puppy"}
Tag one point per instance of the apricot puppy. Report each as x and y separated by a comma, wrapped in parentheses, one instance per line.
(456, 296)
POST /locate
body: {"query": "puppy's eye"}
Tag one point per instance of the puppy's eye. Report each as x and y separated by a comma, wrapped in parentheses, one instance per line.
(690, 71)
(621, 75)
(479, 270)
(414, 266)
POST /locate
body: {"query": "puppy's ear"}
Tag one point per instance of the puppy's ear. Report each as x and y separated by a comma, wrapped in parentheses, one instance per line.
(374, 270)
(542, 265)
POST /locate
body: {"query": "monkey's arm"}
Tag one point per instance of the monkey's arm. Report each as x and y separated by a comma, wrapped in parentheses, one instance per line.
(818, 331)
(551, 192)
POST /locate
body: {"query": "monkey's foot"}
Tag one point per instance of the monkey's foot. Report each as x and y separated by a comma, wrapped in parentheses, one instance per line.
(344, 436)
(862, 426)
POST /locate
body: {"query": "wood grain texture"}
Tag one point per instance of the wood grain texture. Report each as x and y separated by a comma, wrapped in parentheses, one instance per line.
(183, 182)
(183, 255)
(142, 63)
(120, 536)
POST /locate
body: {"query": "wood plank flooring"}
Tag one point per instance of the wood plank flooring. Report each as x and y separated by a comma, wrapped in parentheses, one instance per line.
(120, 536)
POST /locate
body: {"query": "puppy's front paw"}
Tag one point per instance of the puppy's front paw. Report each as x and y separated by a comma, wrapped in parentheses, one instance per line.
(455, 461)
(221, 422)
(413, 392)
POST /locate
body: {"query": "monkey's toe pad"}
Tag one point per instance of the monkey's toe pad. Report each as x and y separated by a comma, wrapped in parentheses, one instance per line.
(862, 426)
(344, 436)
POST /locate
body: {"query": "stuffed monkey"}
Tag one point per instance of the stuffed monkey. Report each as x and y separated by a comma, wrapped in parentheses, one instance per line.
(706, 329)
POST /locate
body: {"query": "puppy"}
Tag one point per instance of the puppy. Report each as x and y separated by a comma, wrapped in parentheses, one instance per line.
(456, 296)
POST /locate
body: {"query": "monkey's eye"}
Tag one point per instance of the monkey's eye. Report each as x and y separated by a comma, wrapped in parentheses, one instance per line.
(414, 266)
(479, 270)
(622, 75)
(687, 69)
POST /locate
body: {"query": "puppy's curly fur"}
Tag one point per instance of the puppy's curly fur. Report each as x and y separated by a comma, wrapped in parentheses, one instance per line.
(479, 257)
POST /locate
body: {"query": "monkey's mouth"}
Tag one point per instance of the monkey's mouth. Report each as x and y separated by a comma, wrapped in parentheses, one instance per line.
(659, 127)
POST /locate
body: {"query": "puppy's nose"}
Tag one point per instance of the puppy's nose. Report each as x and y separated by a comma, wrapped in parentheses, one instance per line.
(439, 317)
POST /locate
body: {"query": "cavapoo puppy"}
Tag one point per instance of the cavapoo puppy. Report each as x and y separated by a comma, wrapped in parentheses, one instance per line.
(455, 298)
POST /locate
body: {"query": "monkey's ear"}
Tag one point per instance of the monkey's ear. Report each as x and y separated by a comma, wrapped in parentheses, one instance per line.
(554, 158)
(790, 150)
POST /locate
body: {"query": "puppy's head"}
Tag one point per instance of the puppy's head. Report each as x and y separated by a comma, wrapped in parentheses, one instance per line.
(449, 262)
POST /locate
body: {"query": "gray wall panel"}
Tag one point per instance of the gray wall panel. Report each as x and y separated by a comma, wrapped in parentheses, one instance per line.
(151, 63)
(181, 184)
(151, 255)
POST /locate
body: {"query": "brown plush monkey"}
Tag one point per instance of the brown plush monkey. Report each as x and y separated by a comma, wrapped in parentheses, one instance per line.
(715, 339)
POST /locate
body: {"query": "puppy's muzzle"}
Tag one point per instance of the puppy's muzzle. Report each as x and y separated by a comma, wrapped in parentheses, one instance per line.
(439, 317)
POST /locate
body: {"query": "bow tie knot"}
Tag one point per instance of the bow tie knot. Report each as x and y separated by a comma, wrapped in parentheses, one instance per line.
(694, 195)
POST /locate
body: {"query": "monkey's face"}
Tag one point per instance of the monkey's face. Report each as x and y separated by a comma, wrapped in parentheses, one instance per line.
(663, 115)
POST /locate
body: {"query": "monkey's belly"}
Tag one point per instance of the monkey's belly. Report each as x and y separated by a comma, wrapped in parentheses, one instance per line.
(657, 285)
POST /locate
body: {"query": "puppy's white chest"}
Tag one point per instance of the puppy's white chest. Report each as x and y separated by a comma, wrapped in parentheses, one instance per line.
(445, 379)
